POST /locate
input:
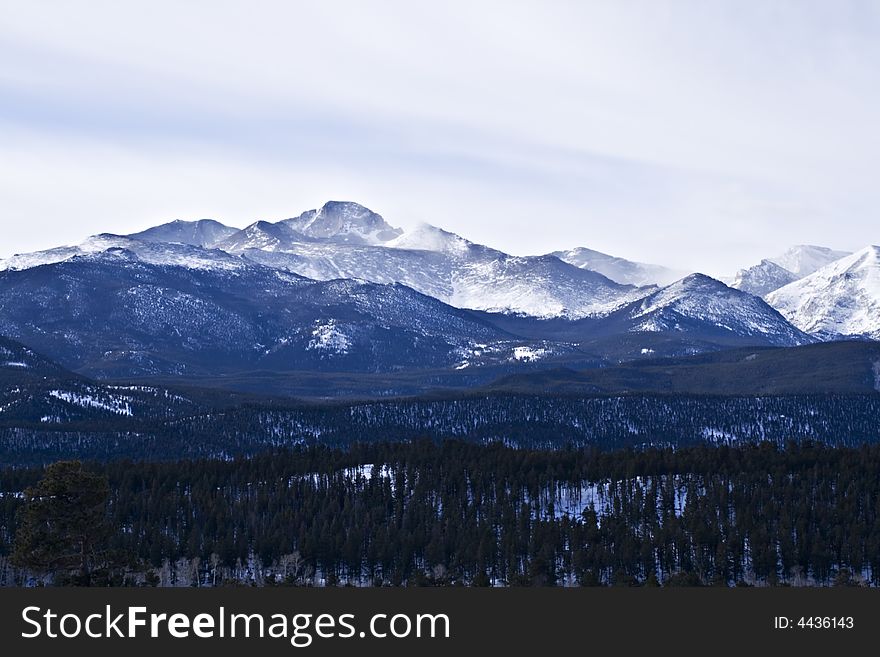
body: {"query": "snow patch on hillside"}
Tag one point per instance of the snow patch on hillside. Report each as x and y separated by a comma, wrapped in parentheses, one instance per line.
(328, 337)
(528, 354)
(118, 406)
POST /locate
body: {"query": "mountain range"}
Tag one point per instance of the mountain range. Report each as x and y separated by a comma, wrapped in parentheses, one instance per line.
(339, 294)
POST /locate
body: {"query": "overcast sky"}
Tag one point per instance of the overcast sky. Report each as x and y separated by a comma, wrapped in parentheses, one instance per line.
(700, 134)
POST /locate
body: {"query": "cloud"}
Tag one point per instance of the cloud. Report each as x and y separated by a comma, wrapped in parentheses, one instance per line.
(702, 134)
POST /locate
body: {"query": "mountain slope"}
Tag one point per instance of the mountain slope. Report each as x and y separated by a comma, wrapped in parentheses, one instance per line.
(840, 299)
(430, 260)
(36, 391)
(21, 365)
(343, 222)
(112, 314)
(619, 270)
(262, 235)
(704, 307)
(762, 278)
(540, 286)
(822, 368)
(773, 273)
(156, 253)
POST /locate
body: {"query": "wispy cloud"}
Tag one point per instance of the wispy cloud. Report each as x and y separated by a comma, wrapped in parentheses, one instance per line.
(707, 134)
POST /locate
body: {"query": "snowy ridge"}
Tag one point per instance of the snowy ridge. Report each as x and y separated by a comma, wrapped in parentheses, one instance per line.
(620, 270)
(261, 235)
(540, 286)
(840, 299)
(154, 253)
(426, 237)
(442, 265)
(206, 233)
(344, 240)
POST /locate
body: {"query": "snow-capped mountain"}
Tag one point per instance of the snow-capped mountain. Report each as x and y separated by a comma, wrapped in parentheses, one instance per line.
(840, 299)
(773, 273)
(347, 241)
(620, 270)
(204, 232)
(762, 278)
(701, 305)
(428, 259)
(338, 299)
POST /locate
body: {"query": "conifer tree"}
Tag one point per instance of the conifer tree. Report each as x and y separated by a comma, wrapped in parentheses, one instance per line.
(63, 528)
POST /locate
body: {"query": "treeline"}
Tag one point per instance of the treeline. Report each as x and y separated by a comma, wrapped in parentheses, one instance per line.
(454, 512)
(529, 421)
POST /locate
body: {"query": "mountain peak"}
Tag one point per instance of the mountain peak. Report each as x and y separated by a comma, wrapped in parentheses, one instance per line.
(698, 281)
(842, 298)
(205, 233)
(344, 221)
(763, 278)
(700, 300)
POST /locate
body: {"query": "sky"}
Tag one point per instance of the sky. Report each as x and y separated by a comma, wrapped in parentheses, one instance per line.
(699, 134)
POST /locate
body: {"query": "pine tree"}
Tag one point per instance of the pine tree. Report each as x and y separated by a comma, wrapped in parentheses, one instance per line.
(63, 529)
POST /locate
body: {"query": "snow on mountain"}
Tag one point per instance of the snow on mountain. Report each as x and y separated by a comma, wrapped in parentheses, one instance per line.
(343, 240)
(773, 273)
(204, 232)
(762, 278)
(476, 278)
(426, 237)
(700, 302)
(425, 271)
(114, 315)
(541, 286)
(344, 222)
(620, 270)
(262, 235)
(107, 245)
(430, 260)
(803, 259)
(840, 299)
